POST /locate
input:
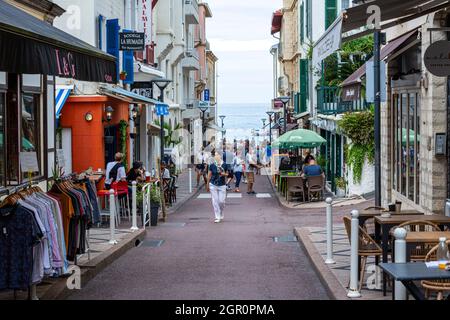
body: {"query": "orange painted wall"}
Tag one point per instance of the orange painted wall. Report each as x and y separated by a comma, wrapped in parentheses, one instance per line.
(88, 147)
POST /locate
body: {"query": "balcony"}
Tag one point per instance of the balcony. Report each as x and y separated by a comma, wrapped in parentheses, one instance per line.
(329, 102)
(191, 61)
(191, 11)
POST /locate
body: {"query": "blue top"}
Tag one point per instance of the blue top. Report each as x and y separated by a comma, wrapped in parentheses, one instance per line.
(313, 171)
(216, 179)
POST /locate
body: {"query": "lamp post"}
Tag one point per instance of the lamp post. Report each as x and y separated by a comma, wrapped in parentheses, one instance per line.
(270, 114)
(222, 118)
(162, 85)
(203, 109)
(285, 101)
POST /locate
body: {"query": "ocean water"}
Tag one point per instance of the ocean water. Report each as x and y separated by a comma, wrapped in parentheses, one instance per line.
(242, 118)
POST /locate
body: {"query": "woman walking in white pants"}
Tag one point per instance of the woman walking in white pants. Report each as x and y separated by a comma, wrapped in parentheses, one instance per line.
(217, 186)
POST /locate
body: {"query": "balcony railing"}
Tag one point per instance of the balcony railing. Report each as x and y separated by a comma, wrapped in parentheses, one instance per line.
(329, 102)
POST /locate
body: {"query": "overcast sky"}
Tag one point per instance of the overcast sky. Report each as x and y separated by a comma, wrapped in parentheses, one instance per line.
(239, 33)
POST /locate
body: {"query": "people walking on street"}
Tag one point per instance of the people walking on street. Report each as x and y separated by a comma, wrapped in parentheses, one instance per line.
(258, 161)
(115, 171)
(238, 170)
(250, 166)
(217, 186)
(201, 167)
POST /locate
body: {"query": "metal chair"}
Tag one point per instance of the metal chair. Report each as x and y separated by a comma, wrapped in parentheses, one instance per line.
(438, 286)
(367, 247)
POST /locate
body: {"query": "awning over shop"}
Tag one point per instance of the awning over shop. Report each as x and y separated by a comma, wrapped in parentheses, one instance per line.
(124, 95)
(277, 20)
(390, 48)
(153, 130)
(352, 23)
(145, 73)
(31, 46)
(61, 95)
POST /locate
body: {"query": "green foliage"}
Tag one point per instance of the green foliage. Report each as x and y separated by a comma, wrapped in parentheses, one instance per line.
(169, 139)
(155, 195)
(341, 183)
(123, 126)
(321, 161)
(345, 62)
(359, 128)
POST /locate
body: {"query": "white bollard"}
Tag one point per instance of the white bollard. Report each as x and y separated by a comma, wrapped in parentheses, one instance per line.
(329, 259)
(354, 265)
(134, 206)
(400, 257)
(112, 217)
(190, 180)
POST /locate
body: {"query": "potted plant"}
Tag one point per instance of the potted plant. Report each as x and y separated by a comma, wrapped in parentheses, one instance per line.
(341, 187)
(155, 203)
(123, 75)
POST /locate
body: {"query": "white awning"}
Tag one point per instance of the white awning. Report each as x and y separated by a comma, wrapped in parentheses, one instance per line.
(145, 73)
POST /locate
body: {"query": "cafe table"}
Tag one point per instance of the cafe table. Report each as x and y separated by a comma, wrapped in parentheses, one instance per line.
(383, 225)
(413, 239)
(365, 215)
(409, 273)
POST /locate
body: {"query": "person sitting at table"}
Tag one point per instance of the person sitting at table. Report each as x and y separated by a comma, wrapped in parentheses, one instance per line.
(313, 170)
(308, 159)
(285, 164)
(137, 173)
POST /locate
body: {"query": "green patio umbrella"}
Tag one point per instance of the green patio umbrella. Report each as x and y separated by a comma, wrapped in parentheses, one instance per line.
(412, 137)
(300, 138)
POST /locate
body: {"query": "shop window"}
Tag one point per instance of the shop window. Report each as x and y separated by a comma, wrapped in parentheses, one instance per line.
(30, 127)
(406, 133)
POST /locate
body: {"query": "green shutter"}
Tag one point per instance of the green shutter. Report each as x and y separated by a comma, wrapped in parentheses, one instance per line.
(308, 19)
(304, 85)
(330, 12)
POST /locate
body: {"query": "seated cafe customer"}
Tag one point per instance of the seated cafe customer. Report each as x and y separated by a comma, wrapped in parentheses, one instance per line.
(115, 171)
(137, 173)
(312, 170)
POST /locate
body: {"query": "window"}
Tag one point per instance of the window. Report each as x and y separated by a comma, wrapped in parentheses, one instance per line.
(406, 133)
(30, 127)
(330, 12)
(345, 4)
(302, 23)
(309, 19)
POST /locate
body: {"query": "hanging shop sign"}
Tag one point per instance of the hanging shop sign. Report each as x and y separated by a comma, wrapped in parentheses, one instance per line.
(329, 43)
(132, 41)
(437, 58)
(351, 92)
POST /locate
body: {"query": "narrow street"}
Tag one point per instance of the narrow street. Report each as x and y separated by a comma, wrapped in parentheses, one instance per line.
(237, 259)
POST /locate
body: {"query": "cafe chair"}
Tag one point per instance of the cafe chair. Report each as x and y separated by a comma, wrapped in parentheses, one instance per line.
(437, 286)
(123, 196)
(295, 187)
(420, 252)
(316, 186)
(367, 247)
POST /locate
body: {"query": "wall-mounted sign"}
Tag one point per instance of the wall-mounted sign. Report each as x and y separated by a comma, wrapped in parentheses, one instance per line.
(28, 162)
(207, 95)
(437, 58)
(329, 43)
(146, 92)
(132, 41)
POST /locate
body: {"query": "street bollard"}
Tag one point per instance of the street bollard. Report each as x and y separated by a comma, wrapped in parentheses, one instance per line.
(134, 206)
(329, 259)
(190, 180)
(400, 257)
(354, 262)
(112, 217)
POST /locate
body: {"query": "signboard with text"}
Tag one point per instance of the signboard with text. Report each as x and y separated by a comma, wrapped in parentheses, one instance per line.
(437, 58)
(28, 162)
(329, 43)
(162, 110)
(132, 41)
(207, 95)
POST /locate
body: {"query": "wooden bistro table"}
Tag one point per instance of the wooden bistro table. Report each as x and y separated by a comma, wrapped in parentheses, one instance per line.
(384, 225)
(408, 273)
(372, 213)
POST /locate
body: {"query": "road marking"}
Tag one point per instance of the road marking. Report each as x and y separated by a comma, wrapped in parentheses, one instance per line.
(263, 196)
(204, 196)
(229, 196)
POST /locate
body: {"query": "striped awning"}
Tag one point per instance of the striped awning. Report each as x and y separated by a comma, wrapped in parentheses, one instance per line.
(61, 95)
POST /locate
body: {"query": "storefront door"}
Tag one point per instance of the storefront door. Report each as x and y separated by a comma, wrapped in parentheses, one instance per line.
(111, 147)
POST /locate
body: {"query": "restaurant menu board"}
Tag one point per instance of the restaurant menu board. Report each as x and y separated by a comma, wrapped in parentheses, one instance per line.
(29, 162)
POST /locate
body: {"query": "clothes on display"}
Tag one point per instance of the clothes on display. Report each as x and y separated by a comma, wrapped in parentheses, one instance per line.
(41, 232)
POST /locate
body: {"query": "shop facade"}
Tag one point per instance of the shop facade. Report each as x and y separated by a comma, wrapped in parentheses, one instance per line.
(32, 55)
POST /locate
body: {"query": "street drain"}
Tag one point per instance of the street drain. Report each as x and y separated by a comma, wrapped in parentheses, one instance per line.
(151, 243)
(289, 238)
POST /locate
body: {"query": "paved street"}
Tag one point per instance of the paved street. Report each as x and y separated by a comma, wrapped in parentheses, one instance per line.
(197, 259)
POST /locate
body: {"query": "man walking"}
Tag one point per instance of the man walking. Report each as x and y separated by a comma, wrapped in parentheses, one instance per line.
(217, 186)
(250, 166)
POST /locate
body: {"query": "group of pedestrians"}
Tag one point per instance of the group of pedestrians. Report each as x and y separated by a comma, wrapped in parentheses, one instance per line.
(220, 170)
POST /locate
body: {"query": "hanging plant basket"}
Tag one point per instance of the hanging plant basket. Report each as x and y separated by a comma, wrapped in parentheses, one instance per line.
(123, 75)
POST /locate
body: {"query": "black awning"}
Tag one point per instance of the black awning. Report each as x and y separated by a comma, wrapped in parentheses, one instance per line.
(29, 45)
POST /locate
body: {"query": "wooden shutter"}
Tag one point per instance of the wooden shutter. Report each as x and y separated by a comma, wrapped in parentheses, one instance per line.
(112, 40)
(330, 12)
(304, 84)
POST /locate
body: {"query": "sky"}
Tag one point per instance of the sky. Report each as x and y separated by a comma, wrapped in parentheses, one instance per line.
(239, 33)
